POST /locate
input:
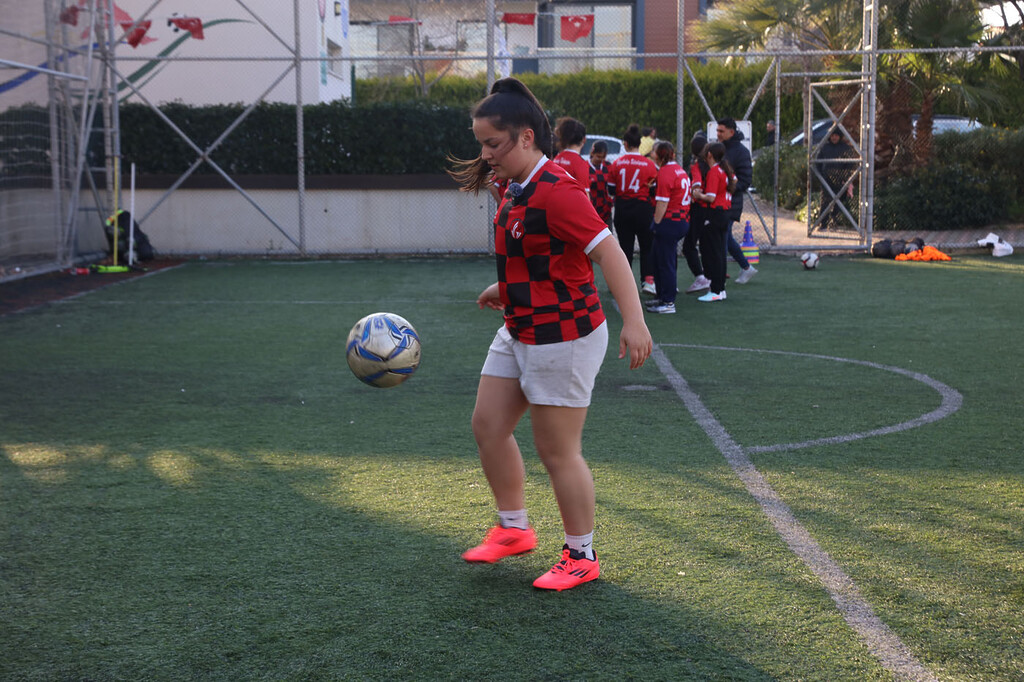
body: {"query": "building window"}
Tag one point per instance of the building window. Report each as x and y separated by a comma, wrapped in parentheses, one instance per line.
(334, 64)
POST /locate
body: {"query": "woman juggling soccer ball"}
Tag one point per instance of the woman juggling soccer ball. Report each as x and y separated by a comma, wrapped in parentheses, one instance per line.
(546, 356)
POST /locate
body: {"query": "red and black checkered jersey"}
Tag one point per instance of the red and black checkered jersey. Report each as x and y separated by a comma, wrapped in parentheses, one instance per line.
(674, 188)
(576, 166)
(545, 278)
(599, 196)
(631, 177)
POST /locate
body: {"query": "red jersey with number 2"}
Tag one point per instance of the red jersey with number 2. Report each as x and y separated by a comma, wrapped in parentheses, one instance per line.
(674, 189)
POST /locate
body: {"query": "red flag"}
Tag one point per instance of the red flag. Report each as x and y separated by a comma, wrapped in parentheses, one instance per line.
(526, 19)
(394, 19)
(193, 25)
(577, 26)
(70, 15)
(136, 31)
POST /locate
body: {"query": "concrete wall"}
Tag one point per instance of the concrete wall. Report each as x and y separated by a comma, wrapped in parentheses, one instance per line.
(337, 221)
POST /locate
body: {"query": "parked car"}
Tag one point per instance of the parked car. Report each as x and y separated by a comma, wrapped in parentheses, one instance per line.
(819, 130)
(941, 123)
(615, 149)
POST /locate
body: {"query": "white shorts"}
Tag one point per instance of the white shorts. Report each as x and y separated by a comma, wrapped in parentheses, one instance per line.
(560, 374)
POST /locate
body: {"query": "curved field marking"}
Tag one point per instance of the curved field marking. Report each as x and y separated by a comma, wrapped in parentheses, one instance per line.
(884, 644)
(952, 400)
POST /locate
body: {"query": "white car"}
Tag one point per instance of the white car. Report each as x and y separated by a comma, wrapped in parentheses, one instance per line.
(941, 123)
(615, 149)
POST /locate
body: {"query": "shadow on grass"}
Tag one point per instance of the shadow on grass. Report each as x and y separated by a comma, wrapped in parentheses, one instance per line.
(228, 566)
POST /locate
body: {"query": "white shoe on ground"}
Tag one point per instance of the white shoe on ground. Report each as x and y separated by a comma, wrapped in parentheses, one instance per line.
(712, 296)
(746, 275)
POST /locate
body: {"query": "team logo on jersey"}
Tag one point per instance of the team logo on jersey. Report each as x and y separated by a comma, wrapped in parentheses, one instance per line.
(517, 230)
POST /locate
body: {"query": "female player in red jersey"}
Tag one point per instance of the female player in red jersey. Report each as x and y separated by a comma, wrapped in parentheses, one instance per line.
(546, 356)
(671, 223)
(630, 181)
(715, 198)
(570, 135)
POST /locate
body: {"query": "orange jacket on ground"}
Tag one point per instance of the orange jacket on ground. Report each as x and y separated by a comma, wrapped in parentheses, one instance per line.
(926, 253)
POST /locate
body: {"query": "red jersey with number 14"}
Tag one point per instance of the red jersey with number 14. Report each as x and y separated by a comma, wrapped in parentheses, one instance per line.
(631, 177)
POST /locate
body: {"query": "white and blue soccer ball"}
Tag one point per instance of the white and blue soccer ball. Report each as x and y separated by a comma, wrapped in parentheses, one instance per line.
(810, 260)
(383, 350)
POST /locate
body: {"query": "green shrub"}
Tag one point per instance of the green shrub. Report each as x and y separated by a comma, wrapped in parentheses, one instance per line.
(792, 175)
(943, 197)
(377, 138)
(608, 101)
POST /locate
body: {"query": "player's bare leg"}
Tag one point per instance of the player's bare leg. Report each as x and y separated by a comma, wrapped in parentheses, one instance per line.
(558, 433)
(558, 436)
(499, 407)
(500, 404)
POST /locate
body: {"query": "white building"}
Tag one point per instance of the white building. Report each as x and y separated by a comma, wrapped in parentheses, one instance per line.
(237, 55)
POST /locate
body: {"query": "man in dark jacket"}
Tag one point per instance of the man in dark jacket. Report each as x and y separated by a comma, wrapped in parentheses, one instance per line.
(743, 168)
(836, 171)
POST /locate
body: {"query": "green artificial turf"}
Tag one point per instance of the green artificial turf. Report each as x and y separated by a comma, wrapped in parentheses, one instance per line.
(194, 486)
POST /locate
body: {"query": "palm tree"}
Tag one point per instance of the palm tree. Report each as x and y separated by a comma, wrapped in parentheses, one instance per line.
(836, 25)
(915, 24)
(1010, 33)
(827, 25)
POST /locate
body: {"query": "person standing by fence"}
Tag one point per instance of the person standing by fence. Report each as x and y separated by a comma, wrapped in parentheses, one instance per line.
(737, 156)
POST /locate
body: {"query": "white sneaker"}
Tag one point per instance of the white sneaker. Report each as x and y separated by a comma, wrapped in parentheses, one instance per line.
(649, 288)
(699, 284)
(712, 296)
(746, 275)
(663, 309)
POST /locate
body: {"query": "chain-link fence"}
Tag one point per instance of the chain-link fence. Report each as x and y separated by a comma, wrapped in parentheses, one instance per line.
(47, 73)
(259, 69)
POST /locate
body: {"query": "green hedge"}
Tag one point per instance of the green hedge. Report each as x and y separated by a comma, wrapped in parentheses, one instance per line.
(390, 131)
(608, 101)
(943, 197)
(973, 181)
(377, 138)
(792, 175)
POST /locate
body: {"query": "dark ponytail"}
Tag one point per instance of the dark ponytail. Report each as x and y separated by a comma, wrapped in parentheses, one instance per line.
(510, 107)
(664, 152)
(569, 132)
(631, 138)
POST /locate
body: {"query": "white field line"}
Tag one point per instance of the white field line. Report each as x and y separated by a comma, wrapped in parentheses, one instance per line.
(880, 640)
(80, 294)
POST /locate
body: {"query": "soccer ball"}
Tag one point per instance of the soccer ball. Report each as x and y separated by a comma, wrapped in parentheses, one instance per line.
(810, 260)
(383, 350)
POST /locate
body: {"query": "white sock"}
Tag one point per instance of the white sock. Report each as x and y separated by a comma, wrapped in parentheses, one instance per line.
(513, 519)
(581, 543)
